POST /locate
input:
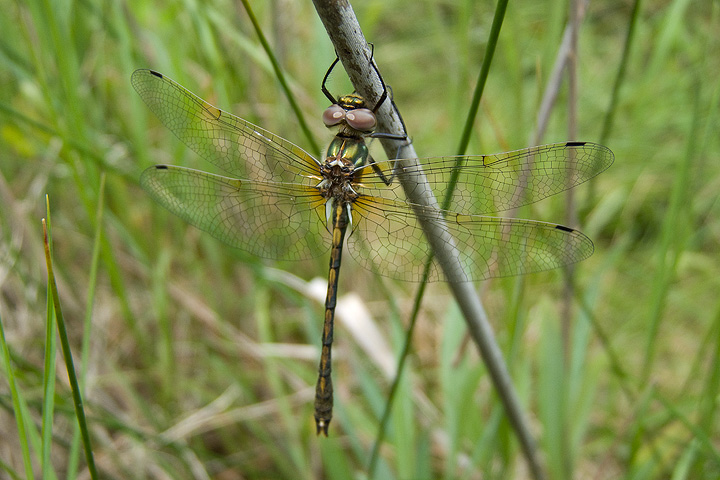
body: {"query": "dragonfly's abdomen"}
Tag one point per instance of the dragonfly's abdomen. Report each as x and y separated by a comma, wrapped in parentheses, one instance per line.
(345, 153)
(324, 390)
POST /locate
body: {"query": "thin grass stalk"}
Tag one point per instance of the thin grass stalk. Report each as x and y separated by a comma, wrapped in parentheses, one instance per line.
(21, 420)
(570, 219)
(706, 407)
(48, 408)
(281, 78)
(614, 359)
(570, 208)
(87, 324)
(352, 48)
(707, 442)
(552, 90)
(620, 76)
(707, 412)
(61, 92)
(92, 284)
(67, 352)
(673, 236)
(277, 386)
(493, 37)
(395, 386)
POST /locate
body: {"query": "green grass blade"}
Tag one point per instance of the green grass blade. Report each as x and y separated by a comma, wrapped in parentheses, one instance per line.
(674, 238)
(67, 353)
(493, 37)
(21, 419)
(620, 77)
(274, 378)
(283, 83)
(48, 385)
(87, 324)
(706, 409)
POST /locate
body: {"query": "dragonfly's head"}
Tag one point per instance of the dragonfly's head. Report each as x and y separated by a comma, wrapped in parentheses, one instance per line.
(350, 110)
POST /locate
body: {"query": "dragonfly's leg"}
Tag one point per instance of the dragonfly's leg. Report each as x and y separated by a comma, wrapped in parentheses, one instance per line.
(402, 122)
(387, 180)
(387, 94)
(327, 74)
(384, 94)
(397, 154)
(329, 95)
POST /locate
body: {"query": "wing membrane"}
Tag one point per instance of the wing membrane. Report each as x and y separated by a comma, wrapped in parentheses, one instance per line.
(389, 235)
(500, 182)
(234, 145)
(270, 220)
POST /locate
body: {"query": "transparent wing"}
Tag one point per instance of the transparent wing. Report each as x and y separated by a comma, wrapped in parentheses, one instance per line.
(234, 145)
(388, 238)
(495, 183)
(270, 220)
(273, 210)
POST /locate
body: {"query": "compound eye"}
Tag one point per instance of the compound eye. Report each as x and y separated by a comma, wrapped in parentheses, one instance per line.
(333, 115)
(362, 119)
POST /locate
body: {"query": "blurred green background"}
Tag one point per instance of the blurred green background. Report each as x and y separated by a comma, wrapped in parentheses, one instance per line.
(201, 360)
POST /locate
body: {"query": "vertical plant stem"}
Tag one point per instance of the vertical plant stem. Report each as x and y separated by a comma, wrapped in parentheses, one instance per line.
(281, 78)
(49, 365)
(87, 325)
(67, 353)
(482, 79)
(570, 219)
(554, 83)
(21, 420)
(674, 234)
(570, 213)
(620, 76)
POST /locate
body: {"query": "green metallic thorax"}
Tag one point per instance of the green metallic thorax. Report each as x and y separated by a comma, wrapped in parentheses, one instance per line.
(351, 150)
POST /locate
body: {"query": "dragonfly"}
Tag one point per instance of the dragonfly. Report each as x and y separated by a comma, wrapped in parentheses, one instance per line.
(277, 201)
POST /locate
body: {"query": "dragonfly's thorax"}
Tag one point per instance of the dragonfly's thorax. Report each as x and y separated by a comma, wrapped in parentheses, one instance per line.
(339, 171)
(351, 150)
(338, 175)
(336, 186)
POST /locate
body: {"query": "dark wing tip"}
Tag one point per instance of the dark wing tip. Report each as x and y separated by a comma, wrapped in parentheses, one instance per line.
(585, 246)
(140, 72)
(604, 156)
(559, 227)
(149, 173)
